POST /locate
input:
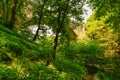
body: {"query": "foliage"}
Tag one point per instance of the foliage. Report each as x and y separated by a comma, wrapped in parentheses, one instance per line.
(75, 50)
(109, 8)
(26, 60)
(101, 76)
(8, 73)
(73, 72)
(103, 33)
(60, 56)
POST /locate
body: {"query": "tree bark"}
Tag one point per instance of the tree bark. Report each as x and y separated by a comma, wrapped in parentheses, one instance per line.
(39, 22)
(13, 16)
(3, 13)
(56, 42)
(57, 31)
(60, 25)
(7, 11)
(7, 14)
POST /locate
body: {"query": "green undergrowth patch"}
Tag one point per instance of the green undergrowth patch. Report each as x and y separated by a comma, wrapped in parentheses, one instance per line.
(16, 44)
(22, 59)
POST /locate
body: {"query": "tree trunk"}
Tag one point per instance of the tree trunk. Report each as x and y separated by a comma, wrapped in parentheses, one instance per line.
(39, 22)
(60, 25)
(55, 43)
(12, 22)
(36, 34)
(3, 13)
(57, 31)
(7, 13)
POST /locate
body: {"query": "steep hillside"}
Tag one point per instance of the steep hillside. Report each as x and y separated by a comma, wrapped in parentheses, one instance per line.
(20, 58)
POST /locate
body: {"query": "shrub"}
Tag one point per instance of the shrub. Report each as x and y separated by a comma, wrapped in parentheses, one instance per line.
(8, 74)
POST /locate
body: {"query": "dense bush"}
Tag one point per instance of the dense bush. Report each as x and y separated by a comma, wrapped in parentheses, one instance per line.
(76, 50)
(8, 74)
(73, 70)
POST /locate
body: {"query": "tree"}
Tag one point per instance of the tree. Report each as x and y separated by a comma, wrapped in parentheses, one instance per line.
(13, 15)
(111, 9)
(5, 11)
(103, 33)
(66, 9)
(57, 15)
(40, 14)
(108, 7)
(11, 12)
